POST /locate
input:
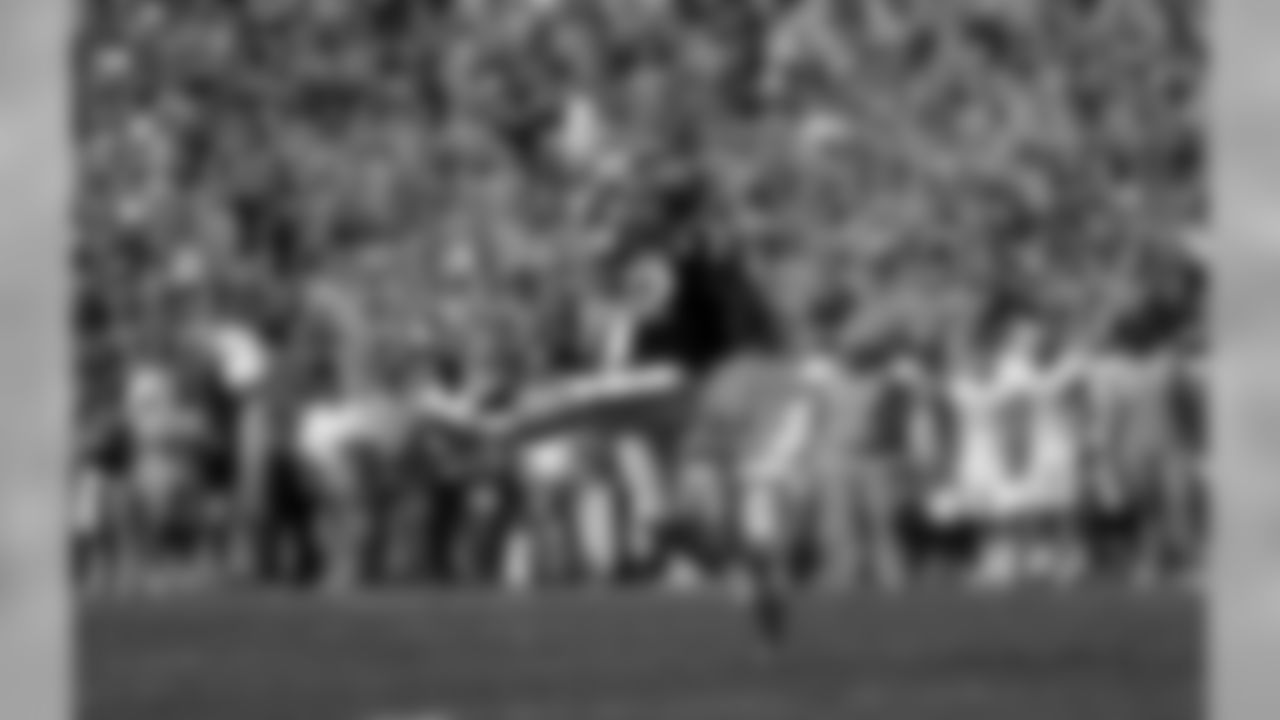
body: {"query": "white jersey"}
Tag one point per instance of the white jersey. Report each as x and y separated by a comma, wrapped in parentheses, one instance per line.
(980, 457)
(331, 428)
(153, 404)
(551, 461)
(1017, 449)
(774, 472)
(779, 458)
(1019, 395)
(782, 447)
(240, 356)
(1057, 436)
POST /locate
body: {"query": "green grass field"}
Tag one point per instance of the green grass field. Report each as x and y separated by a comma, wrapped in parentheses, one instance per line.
(1093, 655)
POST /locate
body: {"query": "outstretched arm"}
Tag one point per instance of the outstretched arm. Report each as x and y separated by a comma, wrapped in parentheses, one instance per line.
(579, 399)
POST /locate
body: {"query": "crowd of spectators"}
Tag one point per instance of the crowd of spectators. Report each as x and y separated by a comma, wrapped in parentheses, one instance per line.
(444, 177)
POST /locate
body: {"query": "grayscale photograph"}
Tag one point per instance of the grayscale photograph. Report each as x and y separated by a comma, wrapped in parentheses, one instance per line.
(631, 359)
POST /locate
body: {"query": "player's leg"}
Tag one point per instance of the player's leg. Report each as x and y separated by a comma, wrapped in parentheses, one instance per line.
(87, 516)
(693, 522)
(161, 517)
(384, 496)
(1148, 507)
(130, 536)
(119, 526)
(550, 469)
(999, 552)
(256, 458)
(595, 527)
(767, 561)
(838, 507)
(643, 496)
(1176, 516)
(1052, 554)
(967, 502)
(882, 536)
(1023, 515)
(339, 523)
(1064, 552)
(517, 542)
(1060, 525)
(273, 539)
(487, 509)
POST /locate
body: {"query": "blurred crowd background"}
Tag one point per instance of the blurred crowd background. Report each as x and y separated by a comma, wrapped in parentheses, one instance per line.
(321, 241)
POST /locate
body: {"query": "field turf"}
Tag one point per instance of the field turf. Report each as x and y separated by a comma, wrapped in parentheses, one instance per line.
(1092, 655)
